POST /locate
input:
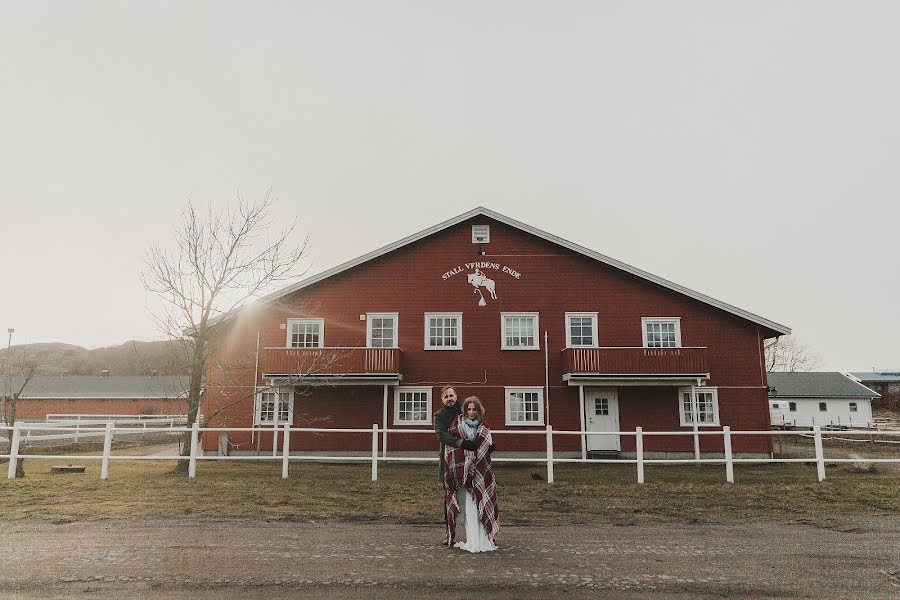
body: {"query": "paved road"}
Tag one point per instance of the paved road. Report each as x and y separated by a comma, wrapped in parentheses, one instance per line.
(163, 560)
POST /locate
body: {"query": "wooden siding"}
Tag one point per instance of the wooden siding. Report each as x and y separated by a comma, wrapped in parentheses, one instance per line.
(551, 281)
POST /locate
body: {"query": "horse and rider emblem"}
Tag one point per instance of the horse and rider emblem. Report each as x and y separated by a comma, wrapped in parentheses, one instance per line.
(480, 280)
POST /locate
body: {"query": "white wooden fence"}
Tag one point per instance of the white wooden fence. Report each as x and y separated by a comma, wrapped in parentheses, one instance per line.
(640, 461)
(80, 427)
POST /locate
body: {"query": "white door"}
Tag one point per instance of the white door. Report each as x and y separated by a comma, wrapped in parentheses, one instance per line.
(601, 411)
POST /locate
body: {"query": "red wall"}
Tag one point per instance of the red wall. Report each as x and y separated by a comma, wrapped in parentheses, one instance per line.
(39, 408)
(554, 280)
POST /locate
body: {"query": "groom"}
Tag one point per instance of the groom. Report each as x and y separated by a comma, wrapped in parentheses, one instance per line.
(442, 421)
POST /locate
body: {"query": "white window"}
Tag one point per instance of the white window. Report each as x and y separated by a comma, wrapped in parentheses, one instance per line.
(275, 407)
(481, 234)
(381, 330)
(412, 406)
(306, 333)
(519, 331)
(707, 406)
(525, 406)
(581, 330)
(443, 331)
(661, 332)
(853, 407)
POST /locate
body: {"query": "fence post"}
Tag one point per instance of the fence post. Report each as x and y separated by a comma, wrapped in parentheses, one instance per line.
(820, 455)
(195, 438)
(549, 454)
(374, 451)
(639, 451)
(729, 462)
(285, 455)
(107, 447)
(274, 439)
(14, 450)
(77, 425)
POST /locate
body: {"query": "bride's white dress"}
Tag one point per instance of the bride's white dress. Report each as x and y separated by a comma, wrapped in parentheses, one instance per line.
(476, 536)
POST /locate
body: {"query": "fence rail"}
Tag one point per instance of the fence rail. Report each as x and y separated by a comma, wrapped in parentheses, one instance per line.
(728, 459)
(79, 429)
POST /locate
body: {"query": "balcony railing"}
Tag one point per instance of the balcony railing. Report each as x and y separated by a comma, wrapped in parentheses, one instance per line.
(330, 361)
(635, 361)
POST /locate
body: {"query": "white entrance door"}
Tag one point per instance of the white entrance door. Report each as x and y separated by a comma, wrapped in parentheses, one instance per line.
(601, 413)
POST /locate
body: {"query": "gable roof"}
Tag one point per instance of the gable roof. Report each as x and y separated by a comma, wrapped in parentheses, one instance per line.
(92, 386)
(818, 385)
(777, 328)
(892, 375)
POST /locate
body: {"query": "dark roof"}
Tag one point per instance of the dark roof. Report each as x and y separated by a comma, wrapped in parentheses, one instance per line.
(817, 385)
(92, 386)
(892, 375)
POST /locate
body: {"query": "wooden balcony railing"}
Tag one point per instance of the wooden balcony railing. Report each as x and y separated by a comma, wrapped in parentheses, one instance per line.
(330, 361)
(635, 361)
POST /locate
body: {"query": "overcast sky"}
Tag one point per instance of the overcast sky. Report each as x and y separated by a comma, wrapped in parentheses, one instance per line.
(747, 150)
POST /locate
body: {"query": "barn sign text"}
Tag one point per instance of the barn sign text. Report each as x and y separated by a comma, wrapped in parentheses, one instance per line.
(481, 265)
(478, 279)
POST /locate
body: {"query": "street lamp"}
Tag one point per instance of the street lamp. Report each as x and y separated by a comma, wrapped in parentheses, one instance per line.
(10, 331)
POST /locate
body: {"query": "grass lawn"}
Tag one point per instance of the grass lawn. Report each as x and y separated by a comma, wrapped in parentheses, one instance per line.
(411, 493)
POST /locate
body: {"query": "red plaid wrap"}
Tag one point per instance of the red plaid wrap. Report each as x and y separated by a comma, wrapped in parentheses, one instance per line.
(471, 470)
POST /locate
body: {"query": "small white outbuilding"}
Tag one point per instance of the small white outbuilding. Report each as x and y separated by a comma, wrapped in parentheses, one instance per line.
(824, 399)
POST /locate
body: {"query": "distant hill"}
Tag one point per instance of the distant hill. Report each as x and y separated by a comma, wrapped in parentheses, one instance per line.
(131, 358)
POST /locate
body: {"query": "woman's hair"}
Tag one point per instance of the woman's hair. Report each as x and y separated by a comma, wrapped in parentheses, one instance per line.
(478, 406)
(445, 388)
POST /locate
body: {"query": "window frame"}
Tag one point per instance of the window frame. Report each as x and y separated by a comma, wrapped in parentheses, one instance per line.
(258, 401)
(853, 406)
(443, 315)
(792, 407)
(823, 407)
(537, 327)
(382, 315)
(318, 321)
(594, 319)
(507, 393)
(412, 389)
(653, 320)
(715, 405)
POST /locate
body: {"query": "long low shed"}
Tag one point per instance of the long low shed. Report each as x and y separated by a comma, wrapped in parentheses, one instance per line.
(826, 399)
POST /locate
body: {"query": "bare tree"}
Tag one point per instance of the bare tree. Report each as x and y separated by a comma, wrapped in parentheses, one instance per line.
(25, 370)
(790, 355)
(221, 260)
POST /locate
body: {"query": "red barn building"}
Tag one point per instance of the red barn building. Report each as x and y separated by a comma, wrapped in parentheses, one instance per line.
(542, 330)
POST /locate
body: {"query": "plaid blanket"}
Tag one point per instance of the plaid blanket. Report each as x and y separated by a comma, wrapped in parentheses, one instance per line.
(472, 470)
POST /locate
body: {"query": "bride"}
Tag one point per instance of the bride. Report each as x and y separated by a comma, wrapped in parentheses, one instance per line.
(471, 491)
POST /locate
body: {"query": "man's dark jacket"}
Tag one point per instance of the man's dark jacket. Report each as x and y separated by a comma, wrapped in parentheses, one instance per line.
(442, 421)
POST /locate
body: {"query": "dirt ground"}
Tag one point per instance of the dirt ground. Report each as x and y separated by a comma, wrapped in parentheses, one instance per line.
(168, 559)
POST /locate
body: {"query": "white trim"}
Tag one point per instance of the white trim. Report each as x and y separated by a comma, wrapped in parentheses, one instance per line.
(257, 405)
(412, 389)
(445, 315)
(507, 391)
(699, 390)
(370, 316)
(485, 233)
(537, 328)
(675, 320)
(595, 318)
(481, 211)
(320, 322)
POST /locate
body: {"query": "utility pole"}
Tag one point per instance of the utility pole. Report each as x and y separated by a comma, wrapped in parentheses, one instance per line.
(8, 390)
